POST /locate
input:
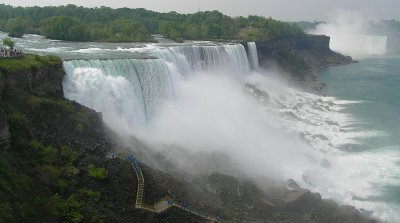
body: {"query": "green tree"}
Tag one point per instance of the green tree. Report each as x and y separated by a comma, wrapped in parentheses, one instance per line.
(9, 43)
(17, 27)
(64, 28)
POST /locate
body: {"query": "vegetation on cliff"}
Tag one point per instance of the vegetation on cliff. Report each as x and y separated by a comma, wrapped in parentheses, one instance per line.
(42, 178)
(118, 25)
(27, 62)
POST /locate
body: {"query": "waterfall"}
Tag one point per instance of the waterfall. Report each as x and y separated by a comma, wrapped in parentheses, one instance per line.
(189, 58)
(253, 56)
(129, 91)
(375, 45)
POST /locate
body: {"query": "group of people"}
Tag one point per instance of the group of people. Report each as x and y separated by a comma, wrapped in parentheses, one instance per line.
(10, 53)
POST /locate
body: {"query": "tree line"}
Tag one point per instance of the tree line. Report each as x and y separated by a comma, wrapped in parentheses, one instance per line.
(75, 23)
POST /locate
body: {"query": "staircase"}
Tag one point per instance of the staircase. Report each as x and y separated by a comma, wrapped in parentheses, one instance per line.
(166, 202)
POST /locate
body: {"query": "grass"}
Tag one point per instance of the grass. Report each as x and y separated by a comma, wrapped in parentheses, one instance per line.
(26, 62)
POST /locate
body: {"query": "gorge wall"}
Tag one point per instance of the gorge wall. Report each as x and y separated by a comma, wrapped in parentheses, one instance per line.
(302, 57)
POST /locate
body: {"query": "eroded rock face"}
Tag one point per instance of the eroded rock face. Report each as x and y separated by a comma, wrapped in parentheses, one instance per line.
(4, 133)
(2, 84)
(301, 58)
(43, 81)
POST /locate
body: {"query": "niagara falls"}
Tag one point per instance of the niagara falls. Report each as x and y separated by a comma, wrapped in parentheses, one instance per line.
(181, 112)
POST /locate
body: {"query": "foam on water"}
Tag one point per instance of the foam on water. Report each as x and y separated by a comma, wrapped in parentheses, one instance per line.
(193, 87)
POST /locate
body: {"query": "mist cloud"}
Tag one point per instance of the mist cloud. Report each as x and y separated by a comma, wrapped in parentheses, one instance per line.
(349, 32)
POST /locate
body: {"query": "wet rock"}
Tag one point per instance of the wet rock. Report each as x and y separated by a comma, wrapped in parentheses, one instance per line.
(296, 195)
(320, 136)
(4, 133)
(291, 184)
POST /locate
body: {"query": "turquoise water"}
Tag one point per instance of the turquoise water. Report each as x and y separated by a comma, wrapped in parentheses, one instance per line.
(374, 85)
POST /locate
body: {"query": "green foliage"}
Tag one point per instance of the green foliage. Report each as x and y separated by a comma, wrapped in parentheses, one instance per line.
(18, 120)
(8, 43)
(292, 62)
(17, 27)
(62, 104)
(71, 171)
(63, 28)
(125, 25)
(68, 155)
(55, 206)
(27, 62)
(253, 35)
(172, 30)
(42, 183)
(99, 173)
(5, 213)
(91, 195)
(44, 154)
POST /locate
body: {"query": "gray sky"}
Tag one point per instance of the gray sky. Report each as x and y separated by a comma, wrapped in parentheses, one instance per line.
(289, 10)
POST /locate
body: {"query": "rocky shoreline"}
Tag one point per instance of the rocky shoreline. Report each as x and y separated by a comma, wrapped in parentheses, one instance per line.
(302, 59)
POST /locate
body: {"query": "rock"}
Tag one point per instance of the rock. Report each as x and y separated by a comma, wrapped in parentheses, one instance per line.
(294, 196)
(307, 216)
(291, 184)
(322, 137)
(311, 50)
(349, 210)
(4, 133)
(2, 84)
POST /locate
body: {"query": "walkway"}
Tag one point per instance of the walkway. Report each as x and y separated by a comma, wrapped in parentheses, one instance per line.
(164, 203)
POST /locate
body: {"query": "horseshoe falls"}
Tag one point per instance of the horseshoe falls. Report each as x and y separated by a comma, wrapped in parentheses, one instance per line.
(212, 98)
(375, 45)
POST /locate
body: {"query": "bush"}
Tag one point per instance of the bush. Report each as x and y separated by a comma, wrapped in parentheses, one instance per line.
(18, 120)
(69, 155)
(99, 173)
(71, 171)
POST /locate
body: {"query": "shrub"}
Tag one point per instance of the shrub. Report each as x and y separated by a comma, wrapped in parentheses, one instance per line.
(97, 172)
(18, 120)
(71, 171)
(68, 154)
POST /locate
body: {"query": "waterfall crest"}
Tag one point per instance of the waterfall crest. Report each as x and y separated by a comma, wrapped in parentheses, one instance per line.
(131, 90)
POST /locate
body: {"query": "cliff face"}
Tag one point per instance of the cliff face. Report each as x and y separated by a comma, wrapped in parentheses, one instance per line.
(40, 80)
(302, 57)
(4, 131)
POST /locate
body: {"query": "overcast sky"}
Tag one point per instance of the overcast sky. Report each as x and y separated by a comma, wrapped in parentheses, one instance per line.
(289, 10)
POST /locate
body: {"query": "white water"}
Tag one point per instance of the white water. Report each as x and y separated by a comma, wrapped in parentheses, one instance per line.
(194, 97)
(375, 45)
(253, 57)
(129, 91)
(349, 33)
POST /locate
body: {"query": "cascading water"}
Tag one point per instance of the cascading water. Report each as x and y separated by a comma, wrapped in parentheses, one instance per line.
(188, 97)
(128, 91)
(375, 45)
(189, 58)
(253, 56)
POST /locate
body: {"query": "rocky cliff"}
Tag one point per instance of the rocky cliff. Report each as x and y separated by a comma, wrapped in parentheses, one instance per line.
(302, 57)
